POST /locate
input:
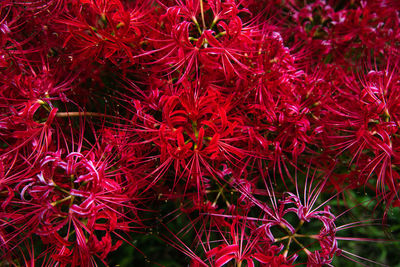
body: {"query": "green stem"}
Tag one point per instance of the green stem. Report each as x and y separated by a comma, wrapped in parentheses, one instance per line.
(285, 253)
(55, 203)
(82, 114)
(281, 238)
(214, 21)
(197, 25)
(202, 14)
(306, 236)
(299, 226)
(220, 34)
(60, 188)
(302, 247)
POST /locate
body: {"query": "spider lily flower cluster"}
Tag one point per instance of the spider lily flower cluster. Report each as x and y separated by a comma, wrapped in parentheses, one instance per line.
(114, 112)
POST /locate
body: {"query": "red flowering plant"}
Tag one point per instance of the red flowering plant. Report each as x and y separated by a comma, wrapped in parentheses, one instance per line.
(97, 31)
(242, 133)
(279, 236)
(211, 34)
(369, 131)
(76, 200)
(197, 131)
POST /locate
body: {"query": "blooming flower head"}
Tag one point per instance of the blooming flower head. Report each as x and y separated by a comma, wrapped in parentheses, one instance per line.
(76, 202)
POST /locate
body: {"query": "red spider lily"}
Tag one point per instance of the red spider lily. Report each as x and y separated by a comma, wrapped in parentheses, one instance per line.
(244, 248)
(196, 132)
(183, 45)
(237, 243)
(332, 32)
(210, 101)
(21, 130)
(26, 34)
(27, 99)
(75, 203)
(276, 214)
(370, 125)
(103, 30)
(283, 128)
(38, 81)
